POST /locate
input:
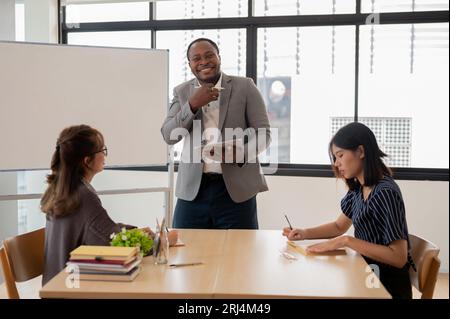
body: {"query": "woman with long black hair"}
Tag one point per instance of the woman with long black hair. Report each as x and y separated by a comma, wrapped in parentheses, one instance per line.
(373, 205)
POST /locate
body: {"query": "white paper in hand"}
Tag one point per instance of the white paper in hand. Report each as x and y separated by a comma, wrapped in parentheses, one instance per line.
(212, 153)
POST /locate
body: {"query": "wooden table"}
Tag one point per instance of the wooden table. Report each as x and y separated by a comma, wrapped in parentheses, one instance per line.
(253, 267)
(237, 264)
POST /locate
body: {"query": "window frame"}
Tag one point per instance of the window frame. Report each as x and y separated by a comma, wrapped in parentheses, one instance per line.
(251, 24)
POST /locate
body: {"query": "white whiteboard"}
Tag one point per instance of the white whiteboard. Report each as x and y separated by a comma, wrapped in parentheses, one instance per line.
(45, 88)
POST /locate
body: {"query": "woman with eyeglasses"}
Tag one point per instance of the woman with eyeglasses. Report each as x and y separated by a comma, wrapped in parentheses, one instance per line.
(373, 205)
(74, 213)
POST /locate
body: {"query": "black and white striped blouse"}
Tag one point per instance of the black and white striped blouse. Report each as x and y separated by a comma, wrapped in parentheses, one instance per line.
(381, 218)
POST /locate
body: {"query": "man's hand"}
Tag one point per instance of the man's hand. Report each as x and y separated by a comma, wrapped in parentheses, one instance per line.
(228, 153)
(226, 158)
(202, 96)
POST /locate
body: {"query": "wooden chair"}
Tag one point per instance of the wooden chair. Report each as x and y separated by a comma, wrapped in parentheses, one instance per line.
(425, 256)
(22, 259)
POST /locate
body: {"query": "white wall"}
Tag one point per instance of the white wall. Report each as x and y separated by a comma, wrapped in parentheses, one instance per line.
(7, 20)
(41, 21)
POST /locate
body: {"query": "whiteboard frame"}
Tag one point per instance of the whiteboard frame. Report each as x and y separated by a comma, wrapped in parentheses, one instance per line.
(162, 161)
(168, 191)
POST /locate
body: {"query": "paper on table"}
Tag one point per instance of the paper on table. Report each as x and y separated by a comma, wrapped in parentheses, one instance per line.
(301, 248)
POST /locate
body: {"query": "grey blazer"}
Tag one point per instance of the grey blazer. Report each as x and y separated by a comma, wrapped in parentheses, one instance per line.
(241, 106)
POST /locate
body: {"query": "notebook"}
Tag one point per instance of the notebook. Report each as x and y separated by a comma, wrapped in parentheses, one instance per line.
(103, 253)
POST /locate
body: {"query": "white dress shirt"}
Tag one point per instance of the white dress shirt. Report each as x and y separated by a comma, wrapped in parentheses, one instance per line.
(210, 120)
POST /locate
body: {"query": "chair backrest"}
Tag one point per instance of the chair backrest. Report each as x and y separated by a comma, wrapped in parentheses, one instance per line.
(22, 258)
(425, 256)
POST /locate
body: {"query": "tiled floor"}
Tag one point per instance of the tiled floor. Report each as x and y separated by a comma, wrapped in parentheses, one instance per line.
(30, 289)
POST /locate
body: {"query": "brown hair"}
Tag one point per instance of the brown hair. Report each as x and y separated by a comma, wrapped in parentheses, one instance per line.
(68, 168)
(350, 137)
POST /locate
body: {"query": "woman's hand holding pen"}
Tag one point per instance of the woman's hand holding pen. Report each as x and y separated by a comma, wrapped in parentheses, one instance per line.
(294, 234)
(203, 95)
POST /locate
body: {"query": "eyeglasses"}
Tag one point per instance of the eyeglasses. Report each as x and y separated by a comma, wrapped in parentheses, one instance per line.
(104, 151)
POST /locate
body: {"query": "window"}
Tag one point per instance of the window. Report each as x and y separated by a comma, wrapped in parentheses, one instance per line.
(306, 75)
(403, 5)
(107, 12)
(308, 70)
(126, 39)
(197, 9)
(393, 136)
(404, 73)
(303, 7)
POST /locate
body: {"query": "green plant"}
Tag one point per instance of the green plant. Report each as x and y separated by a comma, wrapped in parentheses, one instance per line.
(133, 238)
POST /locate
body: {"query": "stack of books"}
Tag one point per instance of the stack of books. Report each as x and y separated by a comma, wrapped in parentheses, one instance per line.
(106, 263)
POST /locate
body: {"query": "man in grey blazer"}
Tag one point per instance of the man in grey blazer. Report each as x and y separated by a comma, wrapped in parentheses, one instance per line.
(216, 193)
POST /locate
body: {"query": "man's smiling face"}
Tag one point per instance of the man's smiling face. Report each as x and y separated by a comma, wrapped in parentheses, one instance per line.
(204, 62)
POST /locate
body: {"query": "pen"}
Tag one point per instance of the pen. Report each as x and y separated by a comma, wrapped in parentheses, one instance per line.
(290, 226)
(185, 264)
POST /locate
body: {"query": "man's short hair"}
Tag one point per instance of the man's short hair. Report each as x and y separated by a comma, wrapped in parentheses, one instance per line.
(201, 40)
